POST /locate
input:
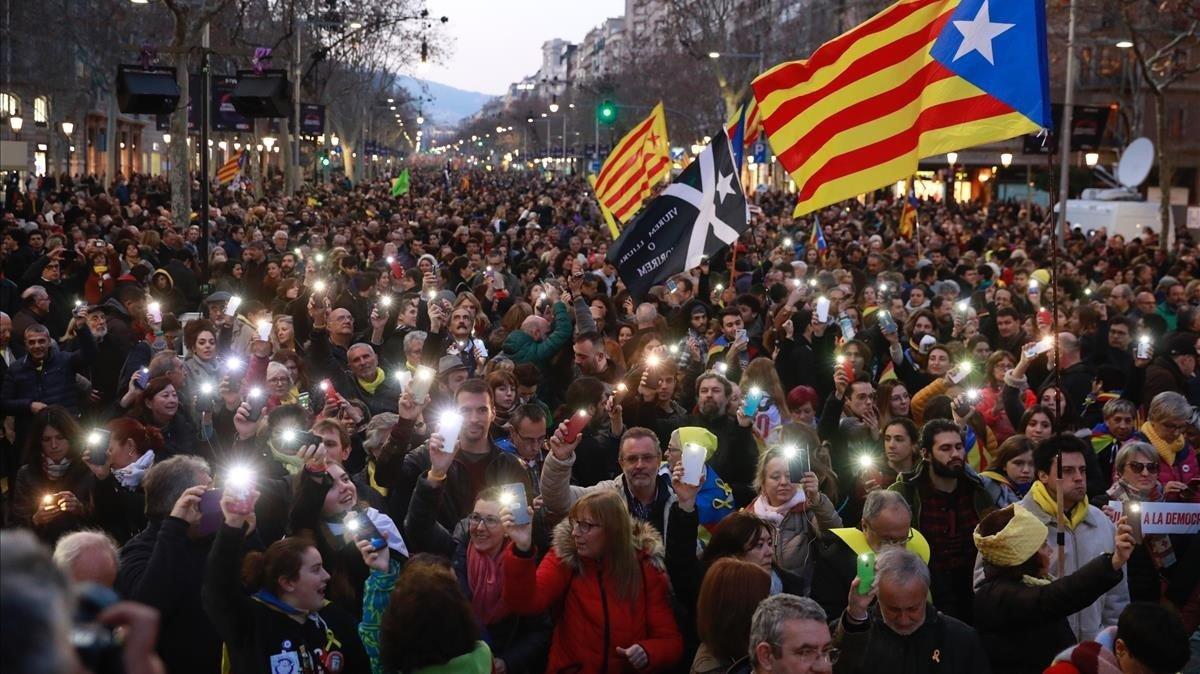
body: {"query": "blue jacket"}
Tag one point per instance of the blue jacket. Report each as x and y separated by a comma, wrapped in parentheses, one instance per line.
(53, 383)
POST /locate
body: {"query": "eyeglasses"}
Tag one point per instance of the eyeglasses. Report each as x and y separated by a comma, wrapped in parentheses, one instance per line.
(884, 542)
(1178, 427)
(279, 380)
(532, 441)
(475, 519)
(584, 526)
(1139, 467)
(812, 654)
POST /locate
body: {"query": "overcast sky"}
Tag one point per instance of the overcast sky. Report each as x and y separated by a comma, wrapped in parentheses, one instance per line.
(497, 42)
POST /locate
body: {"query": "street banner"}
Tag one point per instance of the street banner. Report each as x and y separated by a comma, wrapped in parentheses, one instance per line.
(696, 216)
(312, 119)
(224, 116)
(1166, 518)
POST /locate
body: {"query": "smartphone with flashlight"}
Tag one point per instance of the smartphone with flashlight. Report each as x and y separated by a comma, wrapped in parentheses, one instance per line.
(800, 465)
(143, 378)
(513, 496)
(210, 513)
(97, 446)
(866, 572)
(256, 400)
(576, 424)
(359, 527)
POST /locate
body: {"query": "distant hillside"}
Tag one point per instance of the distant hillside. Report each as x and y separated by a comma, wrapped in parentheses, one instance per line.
(450, 104)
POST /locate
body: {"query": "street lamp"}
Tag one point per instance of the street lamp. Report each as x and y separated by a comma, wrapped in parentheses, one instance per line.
(269, 142)
(223, 145)
(167, 138)
(1124, 44)
(1091, 158)
(334, 140)
(714, 54)
(67, 128)
(420, 119)
(16, 123)
(554, 103)
(1006, 159)
(952, 158)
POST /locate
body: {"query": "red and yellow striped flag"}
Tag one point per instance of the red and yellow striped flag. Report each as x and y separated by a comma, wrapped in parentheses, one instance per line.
(920, 78)
(753, 123)
(231, 168)
(638, 162)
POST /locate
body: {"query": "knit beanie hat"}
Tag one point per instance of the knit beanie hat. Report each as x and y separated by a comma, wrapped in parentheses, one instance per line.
(1019, 540)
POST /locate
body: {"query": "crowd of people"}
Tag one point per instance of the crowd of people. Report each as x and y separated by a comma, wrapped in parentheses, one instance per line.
(354, 432)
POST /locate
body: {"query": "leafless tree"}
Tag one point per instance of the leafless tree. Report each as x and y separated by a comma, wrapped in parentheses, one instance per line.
(1163, 33)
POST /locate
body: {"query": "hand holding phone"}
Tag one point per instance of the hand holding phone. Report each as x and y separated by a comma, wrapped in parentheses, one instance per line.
(513, 497)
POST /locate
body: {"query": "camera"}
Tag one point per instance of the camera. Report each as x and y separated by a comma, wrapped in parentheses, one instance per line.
(97, 646)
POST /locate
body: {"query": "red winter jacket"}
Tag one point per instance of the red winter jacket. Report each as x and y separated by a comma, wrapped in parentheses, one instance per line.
(591, 619)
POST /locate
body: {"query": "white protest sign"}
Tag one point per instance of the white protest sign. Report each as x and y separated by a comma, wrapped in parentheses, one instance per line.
(1166, 518)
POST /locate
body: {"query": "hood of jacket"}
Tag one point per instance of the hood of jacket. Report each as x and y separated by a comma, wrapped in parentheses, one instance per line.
(646, 541)
(114, 306)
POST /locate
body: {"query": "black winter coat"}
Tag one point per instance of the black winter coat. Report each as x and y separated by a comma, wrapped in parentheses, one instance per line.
(163, 568)
(261, 637)
(1023, 627)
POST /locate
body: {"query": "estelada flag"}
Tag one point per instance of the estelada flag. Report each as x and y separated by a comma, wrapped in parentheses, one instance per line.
(639, 161)
(231, 168)
(921, 78)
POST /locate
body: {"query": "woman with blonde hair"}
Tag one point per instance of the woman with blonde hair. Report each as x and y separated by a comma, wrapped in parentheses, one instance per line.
(797, 510)
(605, 574)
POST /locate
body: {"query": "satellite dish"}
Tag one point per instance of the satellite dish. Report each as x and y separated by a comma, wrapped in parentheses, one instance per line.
(1136, 162)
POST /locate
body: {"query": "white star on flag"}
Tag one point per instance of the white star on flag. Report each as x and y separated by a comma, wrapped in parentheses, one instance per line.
(725, 187)
(706, 202)
(978, 34)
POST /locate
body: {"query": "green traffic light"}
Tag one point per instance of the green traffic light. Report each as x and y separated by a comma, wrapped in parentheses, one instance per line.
(607, 112)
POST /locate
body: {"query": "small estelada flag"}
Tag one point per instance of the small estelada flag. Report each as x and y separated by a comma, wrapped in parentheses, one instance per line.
(231, 168)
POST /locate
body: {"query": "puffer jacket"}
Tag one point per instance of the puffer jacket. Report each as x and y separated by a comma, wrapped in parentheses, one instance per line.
(525, 349)
(797, 534)
(592, 619)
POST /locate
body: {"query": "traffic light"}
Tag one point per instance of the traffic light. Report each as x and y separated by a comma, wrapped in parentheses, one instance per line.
(606, 112)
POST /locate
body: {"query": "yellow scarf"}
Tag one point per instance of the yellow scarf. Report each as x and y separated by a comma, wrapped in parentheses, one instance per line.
(1166, 450)
(1049, 504)
(370, 386)
(383, 491)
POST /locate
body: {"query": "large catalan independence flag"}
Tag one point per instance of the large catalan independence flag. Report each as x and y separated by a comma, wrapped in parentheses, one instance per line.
(920, 78)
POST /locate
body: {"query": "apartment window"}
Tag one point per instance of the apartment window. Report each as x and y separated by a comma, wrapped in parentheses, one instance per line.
(41, 110)
(9, 104)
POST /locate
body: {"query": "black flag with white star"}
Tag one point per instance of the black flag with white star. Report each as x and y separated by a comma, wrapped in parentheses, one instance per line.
(700, 213)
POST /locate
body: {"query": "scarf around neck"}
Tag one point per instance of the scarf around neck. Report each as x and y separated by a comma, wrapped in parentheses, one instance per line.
(1049, 504)
(483, 575)
(131, 476)
(773, 514)
(371, 386)
(55, 470)
(1166, 450)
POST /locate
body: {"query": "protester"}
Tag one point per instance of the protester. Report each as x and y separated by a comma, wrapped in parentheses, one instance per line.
(628, 600)
(286, 624)
(1020, 610)
(903, 632)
